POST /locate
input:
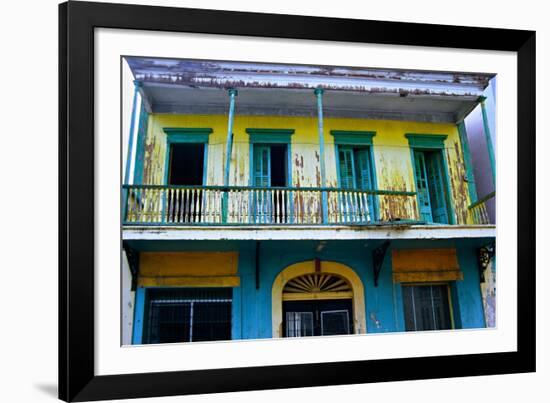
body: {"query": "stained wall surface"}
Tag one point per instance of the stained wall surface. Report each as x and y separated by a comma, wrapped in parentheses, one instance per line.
(392, 156)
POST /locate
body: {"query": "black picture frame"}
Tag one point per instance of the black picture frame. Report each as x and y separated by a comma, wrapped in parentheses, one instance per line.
(77, 21)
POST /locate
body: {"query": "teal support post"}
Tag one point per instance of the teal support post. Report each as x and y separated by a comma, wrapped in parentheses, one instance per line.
(139, 313)
(129, 154)
(467, 161)
(228, 147)
(319, 94)
(488, 138)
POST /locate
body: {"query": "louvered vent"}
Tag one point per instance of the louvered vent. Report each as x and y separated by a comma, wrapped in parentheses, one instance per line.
(317, 282)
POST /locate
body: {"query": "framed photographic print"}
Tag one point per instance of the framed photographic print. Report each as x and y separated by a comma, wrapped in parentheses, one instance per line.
(259, 201)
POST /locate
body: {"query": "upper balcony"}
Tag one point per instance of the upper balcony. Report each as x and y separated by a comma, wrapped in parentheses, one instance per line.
(267, 147)
(244, 205)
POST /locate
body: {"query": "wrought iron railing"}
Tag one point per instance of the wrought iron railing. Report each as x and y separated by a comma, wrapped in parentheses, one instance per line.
(478, 210)
(241, 205)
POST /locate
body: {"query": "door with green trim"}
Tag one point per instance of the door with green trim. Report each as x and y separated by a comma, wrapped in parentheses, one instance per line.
(434, 167)
(355, 172)
(261, 169)
(430, 188)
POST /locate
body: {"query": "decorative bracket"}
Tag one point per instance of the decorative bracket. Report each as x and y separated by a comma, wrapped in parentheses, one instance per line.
(378, 256)
(484, 255)
(133, 262)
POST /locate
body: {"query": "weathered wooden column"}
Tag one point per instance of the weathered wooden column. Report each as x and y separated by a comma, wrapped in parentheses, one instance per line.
(228, 148)
(324, 207)
(129, 154)
(463, 135)
(488, 138)
(130, 151)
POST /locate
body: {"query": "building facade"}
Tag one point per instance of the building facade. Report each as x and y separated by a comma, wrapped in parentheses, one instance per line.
(264, 200)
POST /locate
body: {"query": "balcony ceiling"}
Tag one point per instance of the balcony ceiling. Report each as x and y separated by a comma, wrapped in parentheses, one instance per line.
(199, 87)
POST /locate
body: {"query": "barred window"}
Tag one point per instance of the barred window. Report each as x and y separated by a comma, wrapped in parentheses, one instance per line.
(177, 315)
(426, 307)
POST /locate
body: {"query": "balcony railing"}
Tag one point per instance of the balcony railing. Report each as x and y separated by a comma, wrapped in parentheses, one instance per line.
(240, 205)
(478, 210)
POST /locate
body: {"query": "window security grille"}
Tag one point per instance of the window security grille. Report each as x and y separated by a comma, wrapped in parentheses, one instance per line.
(188, 314)
(299, 324)
(426, 307)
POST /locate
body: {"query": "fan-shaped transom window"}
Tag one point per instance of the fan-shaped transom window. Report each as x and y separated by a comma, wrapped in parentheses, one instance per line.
(314, 283)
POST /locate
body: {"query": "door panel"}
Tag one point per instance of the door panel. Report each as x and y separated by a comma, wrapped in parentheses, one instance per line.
(354, 166)
(422, 186)
(437, 190)
(363, 176)
(299, 324)
(346, 166)
(334, 322)
(262, 166)
(261, 200)
(317, 318)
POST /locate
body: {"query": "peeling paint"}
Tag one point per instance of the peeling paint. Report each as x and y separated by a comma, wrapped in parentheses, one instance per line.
(391, 156)
(195, 73)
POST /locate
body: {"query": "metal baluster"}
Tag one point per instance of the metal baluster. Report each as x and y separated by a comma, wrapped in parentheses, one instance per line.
(360, 207)
(356, 209)
(183, 205)
(348, 209)
(162, 205)
(170, 217)
(130, 205)
(340, 207)
(264, 206)
(283, 207)
(366, 202)
(241, 206)
(203, 204)
(309, 208)
(196, 210)
(152, 194)
(176, 205)
(273, 212)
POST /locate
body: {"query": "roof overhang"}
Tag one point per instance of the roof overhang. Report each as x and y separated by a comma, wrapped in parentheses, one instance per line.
(196, 86)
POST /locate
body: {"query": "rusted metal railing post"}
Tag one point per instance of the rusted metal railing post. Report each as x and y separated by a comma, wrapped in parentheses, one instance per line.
(228, 147)
(324, 205)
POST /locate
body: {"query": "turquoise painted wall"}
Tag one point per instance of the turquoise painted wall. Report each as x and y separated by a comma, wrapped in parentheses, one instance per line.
(252, 309)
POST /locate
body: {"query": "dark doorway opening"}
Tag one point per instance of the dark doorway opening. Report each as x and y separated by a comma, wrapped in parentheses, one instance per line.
(278, 165)
(317, 318)
(186, 164)
(186, 169)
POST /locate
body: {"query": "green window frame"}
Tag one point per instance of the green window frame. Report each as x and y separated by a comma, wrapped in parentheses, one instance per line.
(188, 135)
(261, 140)
(431, 174)
(355, 163)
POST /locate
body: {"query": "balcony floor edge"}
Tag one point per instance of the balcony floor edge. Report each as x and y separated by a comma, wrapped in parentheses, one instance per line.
(308, 232)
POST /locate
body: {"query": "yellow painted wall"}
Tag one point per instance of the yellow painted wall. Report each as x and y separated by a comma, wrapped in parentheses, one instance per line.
(392, 157)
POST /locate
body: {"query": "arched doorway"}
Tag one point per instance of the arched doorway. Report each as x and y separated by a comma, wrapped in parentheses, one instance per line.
(322, 298)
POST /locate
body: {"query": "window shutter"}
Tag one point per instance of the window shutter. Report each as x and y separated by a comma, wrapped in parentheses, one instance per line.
(345, 161)
(422, 186)
(262, 165)
(436, 188)
(362, 168)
